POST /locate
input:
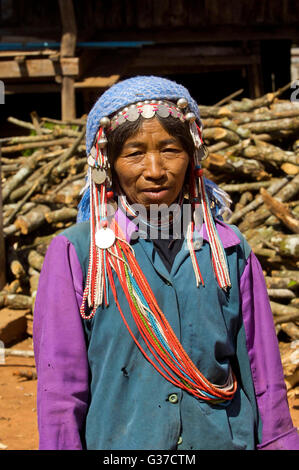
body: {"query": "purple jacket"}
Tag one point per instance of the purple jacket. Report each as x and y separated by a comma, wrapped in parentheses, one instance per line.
(62, 363)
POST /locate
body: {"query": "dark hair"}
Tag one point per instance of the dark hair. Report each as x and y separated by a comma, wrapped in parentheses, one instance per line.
(174, 127)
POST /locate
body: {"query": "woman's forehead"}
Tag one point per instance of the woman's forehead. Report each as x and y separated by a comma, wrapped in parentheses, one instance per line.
(150, 129)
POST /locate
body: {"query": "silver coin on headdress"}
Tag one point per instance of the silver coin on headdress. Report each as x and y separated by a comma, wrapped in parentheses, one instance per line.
(121, 119)
(104, 238)
(148, 111)
(174, 113)
(98, 175)
(163, 111)
(132, 114)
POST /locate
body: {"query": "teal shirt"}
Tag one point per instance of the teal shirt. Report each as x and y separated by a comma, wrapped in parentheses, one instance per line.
(131, 405)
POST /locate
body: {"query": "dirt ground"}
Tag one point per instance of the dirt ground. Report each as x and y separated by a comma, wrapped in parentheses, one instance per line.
(18, 417)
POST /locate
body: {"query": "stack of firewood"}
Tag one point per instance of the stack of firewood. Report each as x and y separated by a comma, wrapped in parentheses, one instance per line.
(42, 176)
(253, 155)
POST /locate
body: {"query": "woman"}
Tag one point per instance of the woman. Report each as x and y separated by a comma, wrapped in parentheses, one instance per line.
(152, 329)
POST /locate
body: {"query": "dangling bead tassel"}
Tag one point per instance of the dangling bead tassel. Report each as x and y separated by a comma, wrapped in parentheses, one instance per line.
(91, 280)
(96, 289)
(189, 237)
(218, 254)
(194, 196)
(198, 191)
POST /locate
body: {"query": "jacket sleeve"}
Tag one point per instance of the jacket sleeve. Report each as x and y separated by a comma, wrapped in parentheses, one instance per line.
(278, 431)
(60, 350)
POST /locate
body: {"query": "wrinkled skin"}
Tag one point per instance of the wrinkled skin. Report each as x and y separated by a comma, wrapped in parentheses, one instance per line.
(152, 165)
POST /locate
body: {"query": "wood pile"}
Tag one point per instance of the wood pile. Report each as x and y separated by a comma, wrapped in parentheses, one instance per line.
(42, 176)
(254, 157)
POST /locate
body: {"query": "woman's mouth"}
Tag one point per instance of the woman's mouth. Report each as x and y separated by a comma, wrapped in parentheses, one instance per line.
(156, 194)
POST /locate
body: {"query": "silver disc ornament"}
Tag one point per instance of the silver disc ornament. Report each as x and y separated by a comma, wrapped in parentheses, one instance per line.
(104, 238)
(98, 175)
(163, 111)
(148, 111)
(132, 114)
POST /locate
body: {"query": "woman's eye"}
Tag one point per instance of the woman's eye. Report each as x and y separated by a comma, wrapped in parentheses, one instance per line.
(171, 150)
(137, 153)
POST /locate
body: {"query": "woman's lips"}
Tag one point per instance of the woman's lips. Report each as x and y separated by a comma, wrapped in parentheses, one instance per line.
(156, 194)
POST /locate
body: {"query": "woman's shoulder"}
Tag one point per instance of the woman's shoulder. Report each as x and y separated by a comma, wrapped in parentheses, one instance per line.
(74, 239)
(77, 232)
(232, 232)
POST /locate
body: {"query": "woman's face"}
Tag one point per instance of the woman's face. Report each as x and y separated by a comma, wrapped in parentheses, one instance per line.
(152, 165)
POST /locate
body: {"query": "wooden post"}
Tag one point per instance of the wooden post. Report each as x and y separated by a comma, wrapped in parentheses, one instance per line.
(2, 243)
(67, 49)
(254, 72)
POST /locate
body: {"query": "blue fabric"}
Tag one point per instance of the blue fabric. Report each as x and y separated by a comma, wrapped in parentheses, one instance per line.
(128, 397)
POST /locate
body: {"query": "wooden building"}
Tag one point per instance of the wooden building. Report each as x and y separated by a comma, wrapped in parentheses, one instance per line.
(66, 52)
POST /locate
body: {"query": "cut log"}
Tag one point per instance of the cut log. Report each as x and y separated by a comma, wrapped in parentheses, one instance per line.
(292, 275)
(273, 282)
(18, 352)
(31, 145)
(264, 151)
(17, 269)
(291, 329)
(288, 191)
(258, 201)
(288, 245)
(19, 177)
(284, 313)
(216, 134)
(290, 168)
(241, 187)
(280, 210)
(32, 220)
(17, 301)
(35, 260)
(281, 294)
(273, 126)
(65, 214)
(14, 287)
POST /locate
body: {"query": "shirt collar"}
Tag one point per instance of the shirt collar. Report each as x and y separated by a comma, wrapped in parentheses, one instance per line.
(225, 232)
(227, 235)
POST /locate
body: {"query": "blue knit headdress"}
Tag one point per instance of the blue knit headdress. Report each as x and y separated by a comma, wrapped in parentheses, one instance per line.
(131, 91)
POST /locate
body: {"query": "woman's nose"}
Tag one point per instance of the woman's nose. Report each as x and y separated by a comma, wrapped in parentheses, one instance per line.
(154, 167)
